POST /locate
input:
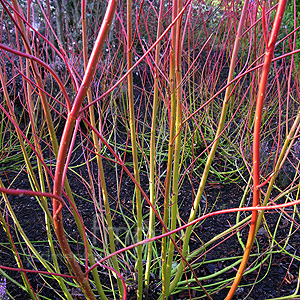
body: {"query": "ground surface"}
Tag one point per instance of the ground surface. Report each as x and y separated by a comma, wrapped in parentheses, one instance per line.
(275, 277)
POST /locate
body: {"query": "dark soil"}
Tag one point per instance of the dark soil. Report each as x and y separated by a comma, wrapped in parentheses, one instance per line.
(275, 277)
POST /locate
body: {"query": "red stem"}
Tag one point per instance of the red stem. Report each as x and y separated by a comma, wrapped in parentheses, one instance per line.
(39, 61)
(65, 141)
(29, 193)
(36, 272)
(215, 213)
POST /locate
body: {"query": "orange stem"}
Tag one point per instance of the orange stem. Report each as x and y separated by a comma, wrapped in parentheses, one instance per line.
(256, 143)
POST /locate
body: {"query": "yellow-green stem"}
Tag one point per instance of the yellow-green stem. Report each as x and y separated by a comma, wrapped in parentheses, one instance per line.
(283, 155)
(31, 247)
(214, 146)
(165, 281)
(178, 124)
(17, 258)
(152, 150)
(97, 144)
(139, 263)
(48, 217)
